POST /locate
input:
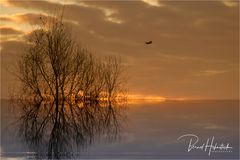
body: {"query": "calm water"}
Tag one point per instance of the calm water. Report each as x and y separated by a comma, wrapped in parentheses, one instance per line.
(146, 131)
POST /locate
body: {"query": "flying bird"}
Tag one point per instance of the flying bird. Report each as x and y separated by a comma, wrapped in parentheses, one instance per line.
(148, 42)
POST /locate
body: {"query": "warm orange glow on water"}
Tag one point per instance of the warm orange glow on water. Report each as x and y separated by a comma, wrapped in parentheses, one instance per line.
(138, 98)
(145, 97)
(141, 98)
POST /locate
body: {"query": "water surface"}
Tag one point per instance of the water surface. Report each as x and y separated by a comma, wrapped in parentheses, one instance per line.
(148, 131)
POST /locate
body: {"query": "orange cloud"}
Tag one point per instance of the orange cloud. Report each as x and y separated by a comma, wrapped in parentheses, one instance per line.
(10, 31)
(188, 38)
(154, 3)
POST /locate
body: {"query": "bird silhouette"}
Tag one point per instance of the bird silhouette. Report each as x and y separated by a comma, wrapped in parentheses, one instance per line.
(148, 42)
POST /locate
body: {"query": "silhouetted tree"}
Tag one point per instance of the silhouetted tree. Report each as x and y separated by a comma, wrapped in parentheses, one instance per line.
(54, 66)
(113, 76)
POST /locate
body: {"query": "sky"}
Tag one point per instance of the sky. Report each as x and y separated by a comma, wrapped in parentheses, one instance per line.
(194, 54)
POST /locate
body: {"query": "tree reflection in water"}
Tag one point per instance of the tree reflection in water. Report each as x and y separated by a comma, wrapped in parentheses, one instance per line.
(61, 132)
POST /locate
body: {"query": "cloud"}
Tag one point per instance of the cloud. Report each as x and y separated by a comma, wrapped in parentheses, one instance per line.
(5, 18)
(30, 4)
(106, 13)
(188, 38)
(110, 14)
(230, 3)
(9, 31)
(31, 18)
(154, 3)
(12, 47)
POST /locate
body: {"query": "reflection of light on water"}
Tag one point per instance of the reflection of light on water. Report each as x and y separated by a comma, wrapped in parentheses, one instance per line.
(137, 98)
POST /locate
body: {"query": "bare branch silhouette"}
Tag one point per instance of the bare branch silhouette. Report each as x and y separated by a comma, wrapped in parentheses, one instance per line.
(68, 95)
(55, 67)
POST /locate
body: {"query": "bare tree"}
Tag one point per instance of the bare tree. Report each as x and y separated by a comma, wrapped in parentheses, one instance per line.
(55, 66)
(113, 76)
